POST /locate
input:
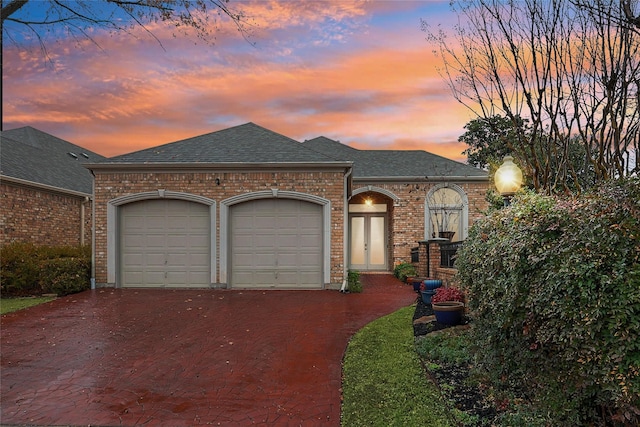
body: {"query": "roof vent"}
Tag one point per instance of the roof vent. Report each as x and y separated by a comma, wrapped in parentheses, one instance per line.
(72, 155)
(85, 155)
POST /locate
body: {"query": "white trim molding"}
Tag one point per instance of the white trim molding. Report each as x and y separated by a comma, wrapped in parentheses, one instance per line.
(377, 190)
(464, 214)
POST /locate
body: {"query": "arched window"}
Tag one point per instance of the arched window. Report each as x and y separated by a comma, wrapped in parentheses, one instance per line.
(446, 213)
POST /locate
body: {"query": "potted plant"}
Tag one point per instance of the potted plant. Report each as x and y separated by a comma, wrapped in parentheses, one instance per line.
(403, 271)
(448, 305)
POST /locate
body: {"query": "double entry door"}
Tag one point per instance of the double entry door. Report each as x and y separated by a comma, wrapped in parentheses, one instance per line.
(368, 241)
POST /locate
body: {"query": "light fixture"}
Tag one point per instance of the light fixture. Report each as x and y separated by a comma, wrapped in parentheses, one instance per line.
(508, 179)
(368, 202)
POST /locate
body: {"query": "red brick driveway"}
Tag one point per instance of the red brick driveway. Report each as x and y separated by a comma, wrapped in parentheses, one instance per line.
(185, 357)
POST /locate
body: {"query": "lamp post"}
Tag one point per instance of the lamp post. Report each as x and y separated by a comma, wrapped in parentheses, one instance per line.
(508, 179)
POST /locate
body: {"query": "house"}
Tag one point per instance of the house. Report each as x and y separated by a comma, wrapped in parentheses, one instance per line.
(246, 207)
(46, 192)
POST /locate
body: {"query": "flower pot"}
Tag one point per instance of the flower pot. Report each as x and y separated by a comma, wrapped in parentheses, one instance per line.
(426, 296)
(447, 234)
(432, 284)
(416, 282)
(448, 312)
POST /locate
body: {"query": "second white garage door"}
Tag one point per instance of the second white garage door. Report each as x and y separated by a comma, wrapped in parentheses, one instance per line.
(165, 243)
(276, 243)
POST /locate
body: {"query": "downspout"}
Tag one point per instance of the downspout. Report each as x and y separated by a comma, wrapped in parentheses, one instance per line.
(93, 231)
(83, 205)
(345, 237)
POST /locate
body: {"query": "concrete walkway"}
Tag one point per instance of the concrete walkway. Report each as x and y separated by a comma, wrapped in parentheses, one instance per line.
(128, 357)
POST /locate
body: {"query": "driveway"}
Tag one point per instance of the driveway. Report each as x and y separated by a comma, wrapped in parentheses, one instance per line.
(186, 357)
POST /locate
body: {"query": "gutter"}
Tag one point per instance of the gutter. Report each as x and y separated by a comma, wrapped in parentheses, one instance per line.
(438, 178)
(224, 166)
(46, 187)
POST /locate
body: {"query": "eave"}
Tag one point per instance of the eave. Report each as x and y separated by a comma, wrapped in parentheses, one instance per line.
(218, 167)
(44, 187)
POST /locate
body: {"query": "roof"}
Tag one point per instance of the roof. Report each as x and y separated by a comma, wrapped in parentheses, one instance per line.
(35, 156)
(394, 163)
(247, 143)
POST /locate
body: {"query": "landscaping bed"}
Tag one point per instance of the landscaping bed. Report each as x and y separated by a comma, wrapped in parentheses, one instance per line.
(450, 371)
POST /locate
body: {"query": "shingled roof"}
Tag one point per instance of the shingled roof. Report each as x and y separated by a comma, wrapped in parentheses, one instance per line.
(247, 143)
(35, 156)
(394, 163)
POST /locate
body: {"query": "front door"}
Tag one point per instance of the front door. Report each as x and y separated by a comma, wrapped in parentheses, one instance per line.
(368, 242)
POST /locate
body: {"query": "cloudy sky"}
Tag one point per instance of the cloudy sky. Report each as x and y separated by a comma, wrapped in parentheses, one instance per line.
(359, 72)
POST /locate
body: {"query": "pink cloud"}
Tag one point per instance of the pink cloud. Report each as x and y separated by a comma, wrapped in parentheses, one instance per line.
(133, 94)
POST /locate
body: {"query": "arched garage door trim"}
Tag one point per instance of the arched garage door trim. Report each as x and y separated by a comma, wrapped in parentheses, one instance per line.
(268, 194)
(113, 226)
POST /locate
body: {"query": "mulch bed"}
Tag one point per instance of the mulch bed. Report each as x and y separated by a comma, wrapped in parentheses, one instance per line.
(453, 380)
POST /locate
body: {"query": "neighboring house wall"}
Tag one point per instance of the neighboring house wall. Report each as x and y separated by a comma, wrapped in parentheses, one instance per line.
(407, 217)
(110, 185)
(32, 214)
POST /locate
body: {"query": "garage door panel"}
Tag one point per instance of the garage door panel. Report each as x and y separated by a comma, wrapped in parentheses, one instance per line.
(265, 223)
(267, 240)
(261, 241)
(307, 241)
(165, 242)
(154, 241)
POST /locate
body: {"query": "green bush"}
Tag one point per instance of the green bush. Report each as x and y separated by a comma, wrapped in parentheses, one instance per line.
(404, 270)
(28, 269)
(353, 281)
(554, 289)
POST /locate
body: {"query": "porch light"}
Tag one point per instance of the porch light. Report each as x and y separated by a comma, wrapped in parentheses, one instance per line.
(368, 202)
(508, 179)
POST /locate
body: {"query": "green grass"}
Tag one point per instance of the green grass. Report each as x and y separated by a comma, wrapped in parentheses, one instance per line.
(384, 383)
(8, 305)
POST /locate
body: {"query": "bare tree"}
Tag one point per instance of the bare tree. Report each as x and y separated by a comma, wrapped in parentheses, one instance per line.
(79, 18)
(572, 72)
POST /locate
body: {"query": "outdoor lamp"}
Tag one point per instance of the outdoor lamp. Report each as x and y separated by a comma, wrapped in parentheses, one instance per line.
(508, 179)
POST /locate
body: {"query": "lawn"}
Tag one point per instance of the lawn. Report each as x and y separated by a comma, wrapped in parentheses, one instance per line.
(384, 383)
(8, 305)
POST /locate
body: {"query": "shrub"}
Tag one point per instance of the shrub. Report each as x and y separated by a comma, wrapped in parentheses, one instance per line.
(404, 270)
(552, 286)
(353, 281)
(19, 270)
(27, 269)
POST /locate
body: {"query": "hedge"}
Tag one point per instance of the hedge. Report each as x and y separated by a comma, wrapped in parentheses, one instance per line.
(28, 269)
(554, 292)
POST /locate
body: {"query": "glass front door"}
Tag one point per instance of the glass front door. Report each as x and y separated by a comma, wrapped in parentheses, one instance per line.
(368, 242)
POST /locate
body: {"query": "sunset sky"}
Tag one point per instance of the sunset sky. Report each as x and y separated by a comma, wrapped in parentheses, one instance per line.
(362, 73)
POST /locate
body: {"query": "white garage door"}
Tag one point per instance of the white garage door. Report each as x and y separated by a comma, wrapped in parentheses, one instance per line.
(276, 243)
(165, 243)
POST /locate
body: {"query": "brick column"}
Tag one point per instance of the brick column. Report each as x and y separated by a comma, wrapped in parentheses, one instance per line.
(421, 267)
(434, 255)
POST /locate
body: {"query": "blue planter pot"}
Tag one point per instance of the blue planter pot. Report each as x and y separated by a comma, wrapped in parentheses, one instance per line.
(416, 282)
(426, 296)
(432, 284)
(448, 312)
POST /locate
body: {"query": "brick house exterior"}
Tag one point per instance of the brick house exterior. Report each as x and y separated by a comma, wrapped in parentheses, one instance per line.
(246, 207)
(46, 192)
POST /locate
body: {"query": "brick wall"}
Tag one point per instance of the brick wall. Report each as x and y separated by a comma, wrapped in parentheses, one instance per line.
(407, 214)
(327, 184)
(32, 215)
